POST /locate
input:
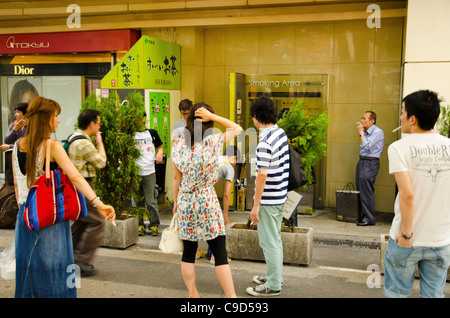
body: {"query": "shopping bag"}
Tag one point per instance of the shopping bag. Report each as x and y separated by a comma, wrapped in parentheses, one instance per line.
(8, 262)
(53, 199)
(348, 204)
(170, 241)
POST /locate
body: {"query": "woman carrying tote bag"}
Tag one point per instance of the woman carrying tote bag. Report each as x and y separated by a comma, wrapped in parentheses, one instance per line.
(44, 258)
(195, 155)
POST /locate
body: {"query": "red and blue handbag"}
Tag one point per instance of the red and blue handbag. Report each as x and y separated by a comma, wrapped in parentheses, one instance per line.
(53, 199)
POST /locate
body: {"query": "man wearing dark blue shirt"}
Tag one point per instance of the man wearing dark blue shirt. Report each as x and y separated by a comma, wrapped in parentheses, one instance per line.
(372, 144)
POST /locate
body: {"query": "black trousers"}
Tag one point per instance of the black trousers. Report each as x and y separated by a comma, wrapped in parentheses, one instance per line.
(366, 172)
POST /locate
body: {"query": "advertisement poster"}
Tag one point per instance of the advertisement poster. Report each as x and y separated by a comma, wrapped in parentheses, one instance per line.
(160, 117)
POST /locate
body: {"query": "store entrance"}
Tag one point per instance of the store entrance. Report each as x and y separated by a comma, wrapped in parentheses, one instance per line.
(285, 91)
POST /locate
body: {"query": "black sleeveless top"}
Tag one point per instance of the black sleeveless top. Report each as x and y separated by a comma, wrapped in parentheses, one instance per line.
(22, 159)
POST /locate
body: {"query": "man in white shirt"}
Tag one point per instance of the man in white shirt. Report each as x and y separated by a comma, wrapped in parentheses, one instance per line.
(150, 145)
(420, 231)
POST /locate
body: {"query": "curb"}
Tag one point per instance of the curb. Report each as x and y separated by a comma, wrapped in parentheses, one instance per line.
(347, 240)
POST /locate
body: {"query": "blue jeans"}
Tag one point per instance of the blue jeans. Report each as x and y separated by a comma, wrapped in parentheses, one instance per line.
(44, 261)
(269, 235)
(400, 264)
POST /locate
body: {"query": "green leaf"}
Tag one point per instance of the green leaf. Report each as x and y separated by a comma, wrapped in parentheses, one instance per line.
(307, 134)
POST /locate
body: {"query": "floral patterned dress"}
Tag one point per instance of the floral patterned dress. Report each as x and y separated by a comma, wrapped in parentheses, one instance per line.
(199, 214)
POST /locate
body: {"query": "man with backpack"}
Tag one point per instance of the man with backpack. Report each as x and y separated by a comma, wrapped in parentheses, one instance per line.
(150, 145)
(87, 233)
(272, 179)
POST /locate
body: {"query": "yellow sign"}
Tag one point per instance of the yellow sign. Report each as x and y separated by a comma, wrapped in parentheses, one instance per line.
(151, 63)
(22, 70)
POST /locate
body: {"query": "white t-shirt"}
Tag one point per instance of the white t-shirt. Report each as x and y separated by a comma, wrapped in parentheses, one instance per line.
(427, 159)
(148, 141)
(226, 170)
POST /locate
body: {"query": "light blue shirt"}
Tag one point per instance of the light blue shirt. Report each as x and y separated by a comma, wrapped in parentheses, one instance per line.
(373, 144)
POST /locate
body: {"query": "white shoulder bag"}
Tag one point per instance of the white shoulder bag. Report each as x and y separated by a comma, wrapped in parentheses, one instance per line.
(170, 241)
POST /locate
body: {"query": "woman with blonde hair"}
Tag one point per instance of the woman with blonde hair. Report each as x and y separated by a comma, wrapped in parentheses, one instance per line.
(44, 258)
(196, 165)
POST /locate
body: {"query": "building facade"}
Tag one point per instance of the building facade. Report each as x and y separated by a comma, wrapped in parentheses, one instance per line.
(369, 51)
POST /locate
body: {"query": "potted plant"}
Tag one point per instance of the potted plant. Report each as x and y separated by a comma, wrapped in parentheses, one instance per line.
(243, 243)
(118, 182)
(307, 134)
(443, 122)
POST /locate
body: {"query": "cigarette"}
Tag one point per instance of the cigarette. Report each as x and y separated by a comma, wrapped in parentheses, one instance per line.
(397, 128)
(113, 223)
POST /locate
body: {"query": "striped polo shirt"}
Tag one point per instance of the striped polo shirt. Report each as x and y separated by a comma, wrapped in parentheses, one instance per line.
(272, 154)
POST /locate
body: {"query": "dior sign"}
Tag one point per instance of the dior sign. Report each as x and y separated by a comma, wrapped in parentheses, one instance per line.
(21, 70)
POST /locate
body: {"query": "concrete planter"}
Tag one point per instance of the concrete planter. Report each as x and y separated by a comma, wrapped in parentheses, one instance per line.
(123, 235)
(243, 243)
(384, 243)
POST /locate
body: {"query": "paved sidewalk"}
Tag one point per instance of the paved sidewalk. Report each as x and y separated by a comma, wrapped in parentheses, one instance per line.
(143, 271)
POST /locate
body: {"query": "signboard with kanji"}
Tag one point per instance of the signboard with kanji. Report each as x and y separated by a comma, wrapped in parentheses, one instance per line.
(151, 63)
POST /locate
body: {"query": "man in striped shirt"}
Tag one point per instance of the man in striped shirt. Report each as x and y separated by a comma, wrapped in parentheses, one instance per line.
(272, 161)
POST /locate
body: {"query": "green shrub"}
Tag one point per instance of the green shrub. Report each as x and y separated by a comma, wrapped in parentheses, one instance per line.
(444, 121)
(119, 180)
(307, 135)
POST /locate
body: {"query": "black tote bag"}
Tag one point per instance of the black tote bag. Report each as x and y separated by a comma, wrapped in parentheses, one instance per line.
(347, 204)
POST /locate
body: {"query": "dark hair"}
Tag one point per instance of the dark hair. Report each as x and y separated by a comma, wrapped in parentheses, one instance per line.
(233, 151)
(22, 107)
(86, 117)
(189, 134)
(263, 109)
(372, 116)
(425, 106)
(185, 104)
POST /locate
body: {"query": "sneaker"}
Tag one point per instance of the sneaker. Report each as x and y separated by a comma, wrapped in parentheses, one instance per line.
(262, 291)
(141, 230)
(200, 254)
(154, 231)
(259, 279)
(86, 269)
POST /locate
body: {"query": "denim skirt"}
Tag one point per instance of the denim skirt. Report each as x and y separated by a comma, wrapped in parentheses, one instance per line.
(44, 259)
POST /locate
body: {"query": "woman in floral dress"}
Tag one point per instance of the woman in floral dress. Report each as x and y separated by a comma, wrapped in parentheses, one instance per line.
(195, 156)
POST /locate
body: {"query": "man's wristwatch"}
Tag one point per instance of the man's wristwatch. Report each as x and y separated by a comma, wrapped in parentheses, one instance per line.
(406, 237)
